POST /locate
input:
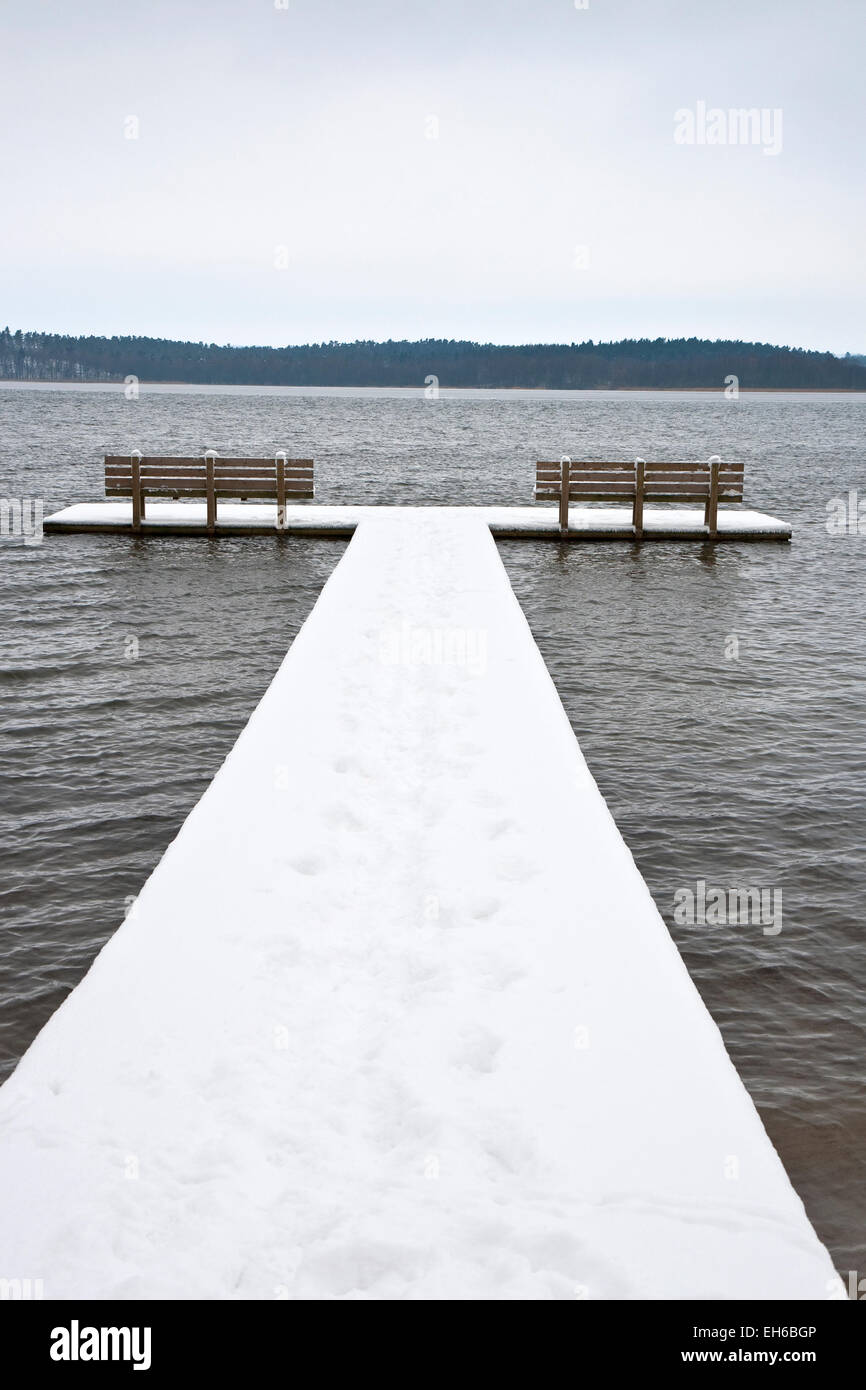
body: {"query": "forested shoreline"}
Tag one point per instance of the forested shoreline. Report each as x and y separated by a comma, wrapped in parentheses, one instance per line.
(660, 363)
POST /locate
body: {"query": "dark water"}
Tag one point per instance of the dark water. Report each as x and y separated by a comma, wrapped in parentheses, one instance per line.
(741, 771)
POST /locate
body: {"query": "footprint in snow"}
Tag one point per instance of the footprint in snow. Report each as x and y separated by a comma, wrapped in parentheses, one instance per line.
(343, 818)
(516, 869)
(477, 1050)
(306, 864)
(509, 1146)
(483, 908)
(487, 798)
(500, 827)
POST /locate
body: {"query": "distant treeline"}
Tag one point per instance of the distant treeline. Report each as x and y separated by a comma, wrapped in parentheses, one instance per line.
(634, 362)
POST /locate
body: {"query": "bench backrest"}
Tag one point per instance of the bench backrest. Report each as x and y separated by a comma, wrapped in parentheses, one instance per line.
(188, 477)
(663, 482)
(591, 482)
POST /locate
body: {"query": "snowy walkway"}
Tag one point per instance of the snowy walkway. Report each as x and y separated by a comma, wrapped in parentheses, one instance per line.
(396, 1016)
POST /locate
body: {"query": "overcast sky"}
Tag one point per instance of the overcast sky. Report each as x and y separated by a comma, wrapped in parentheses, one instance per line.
(503, 170)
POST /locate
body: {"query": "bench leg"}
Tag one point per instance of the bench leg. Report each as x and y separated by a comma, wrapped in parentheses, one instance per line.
(564, 488)
(137, 496)
(637, 513)
(281, 494)
(711, 512)
(211, 496)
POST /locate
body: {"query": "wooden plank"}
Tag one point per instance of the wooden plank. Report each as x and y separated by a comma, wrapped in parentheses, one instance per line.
(656, 497)
(671, 466)
(199, 463)
(227, 466)
(242, 490)
(235, 494)
(656, 493)
(690, 465)
(591, 463)
(198, 470)
(603, 479)
(666, 476)
(610, 470)
(266, 485)
(579, 472)
(186, 481)
(581, 489)
(674, 480)
(696, 489)
(245, 490)
(659, 492)
(603, 496)
(682, 466)
(197, 479)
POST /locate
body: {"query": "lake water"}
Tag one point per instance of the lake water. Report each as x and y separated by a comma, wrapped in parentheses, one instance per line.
(716, 692)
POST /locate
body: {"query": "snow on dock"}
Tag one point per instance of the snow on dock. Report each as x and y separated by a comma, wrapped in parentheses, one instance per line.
(539, 523)
(396, 1016)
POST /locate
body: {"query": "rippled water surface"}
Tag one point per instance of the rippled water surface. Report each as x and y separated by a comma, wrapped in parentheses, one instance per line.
(740, 763)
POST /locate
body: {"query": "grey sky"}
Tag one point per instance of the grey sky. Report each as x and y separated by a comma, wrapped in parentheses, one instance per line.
(301, 138)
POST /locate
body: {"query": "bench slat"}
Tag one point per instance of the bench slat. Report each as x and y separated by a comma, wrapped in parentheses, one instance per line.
(612, 489)
(193, 479)
(576, 465)
(607, 496)
(578, 469)
(150, 460)
(164, 472)
(553, 469)
(680, 484)
(189, 490)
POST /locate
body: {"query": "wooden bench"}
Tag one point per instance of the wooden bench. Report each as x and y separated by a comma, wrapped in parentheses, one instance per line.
(638, 482)
(211, 477)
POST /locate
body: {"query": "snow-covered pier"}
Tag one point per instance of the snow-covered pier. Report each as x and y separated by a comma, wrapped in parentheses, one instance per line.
(518, 523)
(396, 1016)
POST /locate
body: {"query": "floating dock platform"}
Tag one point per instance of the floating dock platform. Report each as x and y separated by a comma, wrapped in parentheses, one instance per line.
(395, 1016)
(516, 523)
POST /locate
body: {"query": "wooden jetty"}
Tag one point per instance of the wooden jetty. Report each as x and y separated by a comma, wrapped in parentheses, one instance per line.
(395, 1016)
(637, 484)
